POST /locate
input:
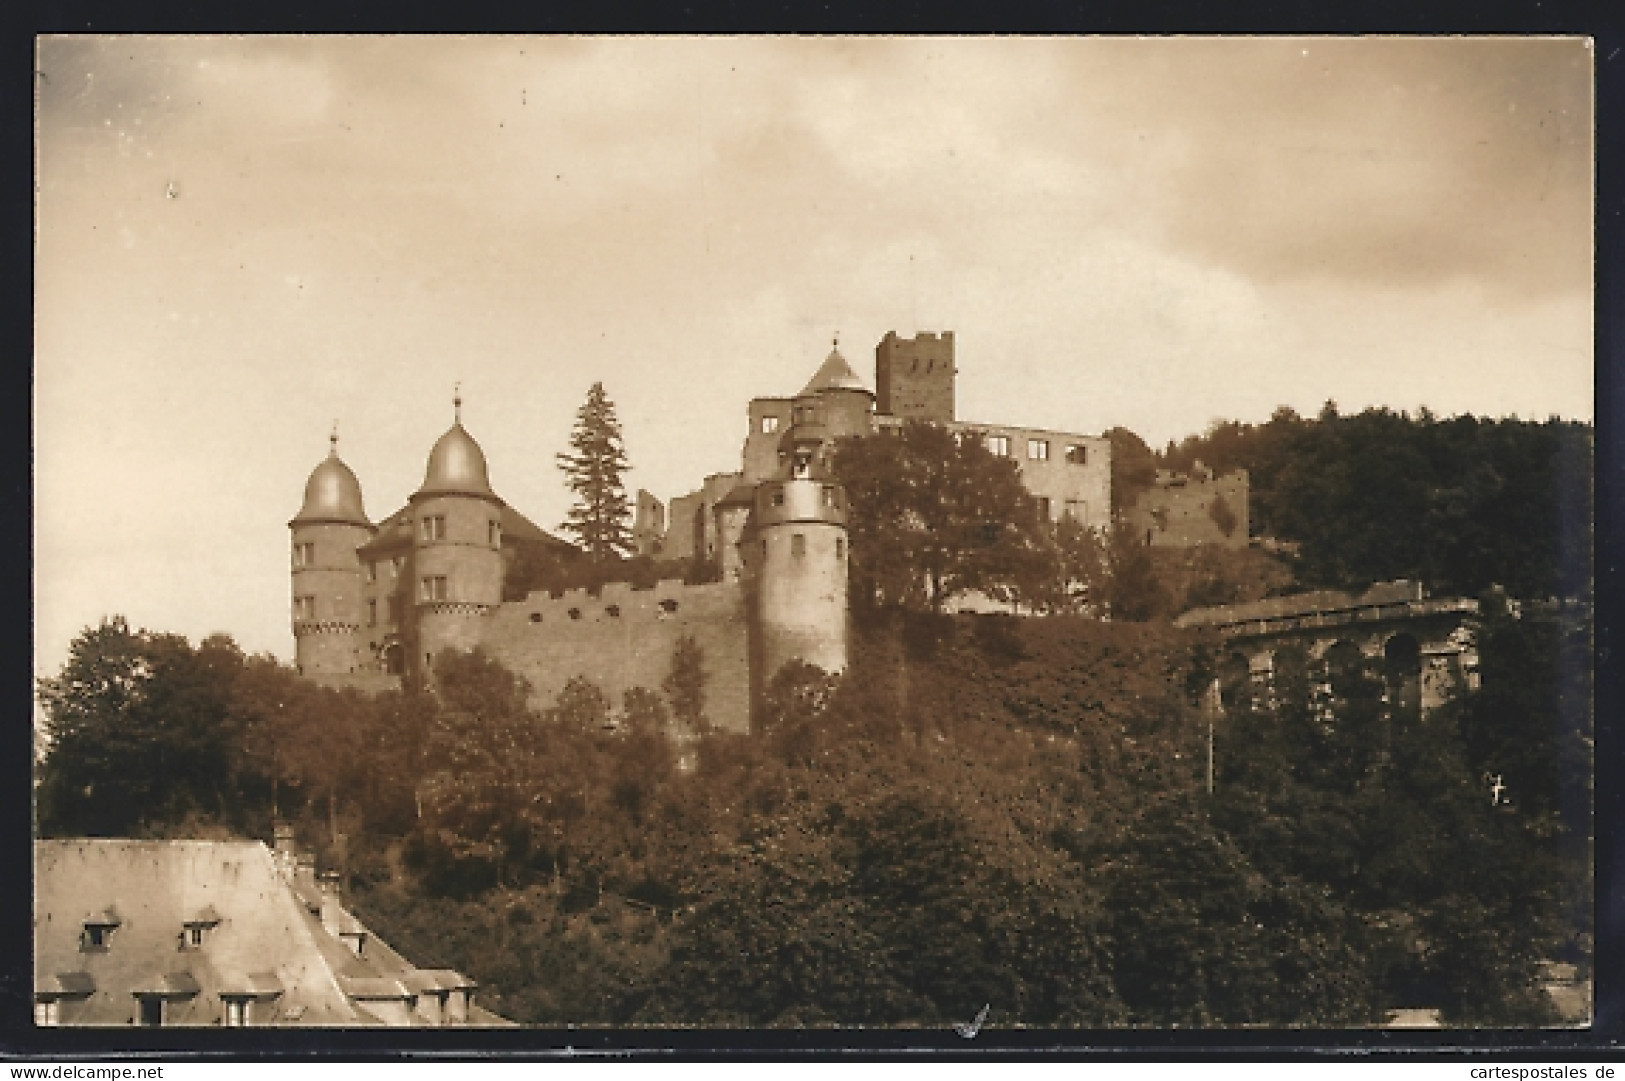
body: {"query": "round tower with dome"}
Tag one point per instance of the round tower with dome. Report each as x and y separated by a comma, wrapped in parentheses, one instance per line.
(456, 561)
(330, 526)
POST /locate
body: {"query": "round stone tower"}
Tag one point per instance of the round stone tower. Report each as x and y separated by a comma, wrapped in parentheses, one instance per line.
(456, 548)
(797, 550)
(328, 529)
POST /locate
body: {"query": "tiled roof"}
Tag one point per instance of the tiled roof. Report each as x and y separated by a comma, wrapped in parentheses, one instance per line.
(265, 938)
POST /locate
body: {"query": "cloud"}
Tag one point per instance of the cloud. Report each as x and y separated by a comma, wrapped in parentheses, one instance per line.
(1366, 160)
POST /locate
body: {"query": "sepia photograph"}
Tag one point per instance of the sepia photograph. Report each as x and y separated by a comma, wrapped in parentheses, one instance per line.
(950, 535)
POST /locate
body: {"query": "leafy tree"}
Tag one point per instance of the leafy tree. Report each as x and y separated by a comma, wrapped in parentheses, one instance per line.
(1134, 469)
(1084, 569)
(685, 684)
(582, 706)
(1135, 591)
(934, 513)
(141, 733)
(593, 467)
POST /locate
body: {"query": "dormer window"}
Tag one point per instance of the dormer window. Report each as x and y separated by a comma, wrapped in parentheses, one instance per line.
(195, 931)
(98, 930)
(50, 992)
(157, 992)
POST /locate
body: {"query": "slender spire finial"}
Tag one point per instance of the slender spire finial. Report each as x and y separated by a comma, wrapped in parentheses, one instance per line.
(835, 342)
(333, 440)
(457, 402)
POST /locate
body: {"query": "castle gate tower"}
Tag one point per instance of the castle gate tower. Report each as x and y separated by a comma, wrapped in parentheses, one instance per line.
(456, 562)
(328, 529)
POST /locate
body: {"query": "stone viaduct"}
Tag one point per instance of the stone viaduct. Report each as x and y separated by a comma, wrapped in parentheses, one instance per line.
(1427, 646)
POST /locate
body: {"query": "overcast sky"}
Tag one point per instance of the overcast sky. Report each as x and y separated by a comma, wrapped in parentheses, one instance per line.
(242, 240)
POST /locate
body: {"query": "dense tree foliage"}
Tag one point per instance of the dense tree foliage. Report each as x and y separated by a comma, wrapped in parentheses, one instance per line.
(599, 519)
(982, 811)
(1459, 503)
(934, 513)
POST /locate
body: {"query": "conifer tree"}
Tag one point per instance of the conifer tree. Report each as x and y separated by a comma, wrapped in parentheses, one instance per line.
(593, 467)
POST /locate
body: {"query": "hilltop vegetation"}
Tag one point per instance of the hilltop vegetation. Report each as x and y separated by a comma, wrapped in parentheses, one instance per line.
(1461, 503)
(985, 810)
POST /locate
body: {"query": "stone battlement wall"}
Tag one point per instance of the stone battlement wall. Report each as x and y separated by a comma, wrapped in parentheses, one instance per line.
(624, 638)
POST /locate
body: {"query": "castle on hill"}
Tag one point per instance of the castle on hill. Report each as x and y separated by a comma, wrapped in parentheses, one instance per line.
(375, 603)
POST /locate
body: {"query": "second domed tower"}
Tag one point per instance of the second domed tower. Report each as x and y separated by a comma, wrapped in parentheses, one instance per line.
(456, 548)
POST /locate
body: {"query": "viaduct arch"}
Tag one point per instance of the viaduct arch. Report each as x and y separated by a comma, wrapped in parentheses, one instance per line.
(1427, 647)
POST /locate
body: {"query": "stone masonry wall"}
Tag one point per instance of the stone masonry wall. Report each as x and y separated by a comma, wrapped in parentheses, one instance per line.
(624, 638)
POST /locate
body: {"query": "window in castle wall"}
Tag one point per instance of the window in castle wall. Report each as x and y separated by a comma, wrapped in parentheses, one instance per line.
(1077, 509)
(304, 608)
(372, 570)
(778, 497)
(304, 554)
(1043, 508)
(1038, 450)
(575, 613)
(668, 606)
(493, 531)
(236, 1013)
(770, 425)
(395, 566)
(372, 613)
(840, 547)
(613, 611)
(434, 588)
(1077, 454)
(798, 544)
(829, 495)
(999, 445)
(47, 1012)
(434, 527)
(536, 617)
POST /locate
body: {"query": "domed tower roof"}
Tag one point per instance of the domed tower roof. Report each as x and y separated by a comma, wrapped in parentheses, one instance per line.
(457, 464)
(332, 494)
(834, 374)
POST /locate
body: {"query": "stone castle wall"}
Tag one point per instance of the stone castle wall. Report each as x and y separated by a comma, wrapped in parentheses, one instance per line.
(1178, 512)
(624, 638)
